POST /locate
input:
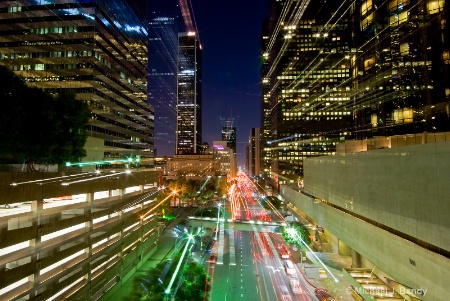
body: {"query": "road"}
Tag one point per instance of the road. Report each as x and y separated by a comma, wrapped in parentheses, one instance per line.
(254, 271)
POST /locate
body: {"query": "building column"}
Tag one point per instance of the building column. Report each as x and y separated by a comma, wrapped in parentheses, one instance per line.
(356, 260)
(36, 208)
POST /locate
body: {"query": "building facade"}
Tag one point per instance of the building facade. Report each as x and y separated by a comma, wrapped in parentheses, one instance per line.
(400, 67)
(192, 166)
(227, 158)
(98, 50)
(189, 101)
(77, 236)
(353, 69)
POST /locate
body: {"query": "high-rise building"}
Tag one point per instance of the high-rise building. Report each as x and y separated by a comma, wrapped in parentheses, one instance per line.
(162, 80)
(189, 110)
(266, 133)
(97, 50)
(254, 152)
(400, 67)
(304, 83)
(229, 132)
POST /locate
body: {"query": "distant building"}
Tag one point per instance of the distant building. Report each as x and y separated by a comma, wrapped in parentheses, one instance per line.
(254, 152)
(189, 103)
(95, 50)
(229, 132)
(192, 166)
(226, 157)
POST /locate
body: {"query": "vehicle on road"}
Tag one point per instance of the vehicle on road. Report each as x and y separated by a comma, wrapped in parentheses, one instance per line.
(285, 295)
(210, 246)
(290, 268)
(12, 205)
(324, 295)
(295, 286)
(283, 251)
(212, 259)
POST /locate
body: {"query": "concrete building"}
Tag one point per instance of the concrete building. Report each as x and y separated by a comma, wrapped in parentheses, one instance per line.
(98, 50)
(385, 202)
(77, 236)
(227, 158)
(194, 166)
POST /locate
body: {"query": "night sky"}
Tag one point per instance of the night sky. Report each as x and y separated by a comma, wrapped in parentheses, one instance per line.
(230, 34)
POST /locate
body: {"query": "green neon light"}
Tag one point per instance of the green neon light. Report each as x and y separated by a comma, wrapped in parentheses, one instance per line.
(179, 264)
(129, 160)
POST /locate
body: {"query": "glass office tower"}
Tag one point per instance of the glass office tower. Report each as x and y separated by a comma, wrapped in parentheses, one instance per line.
(400, 67)
(189, 118)
(162, 81)
(304, 81)
(97, 49)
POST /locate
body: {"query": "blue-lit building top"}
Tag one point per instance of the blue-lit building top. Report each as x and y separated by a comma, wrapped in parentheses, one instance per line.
(162, 81)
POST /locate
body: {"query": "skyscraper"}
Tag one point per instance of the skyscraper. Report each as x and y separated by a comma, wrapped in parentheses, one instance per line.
(97, 50)
(400, 63)
(229, 132)
(162, 80)
(189, 111)
(254, 152)
(304, 80)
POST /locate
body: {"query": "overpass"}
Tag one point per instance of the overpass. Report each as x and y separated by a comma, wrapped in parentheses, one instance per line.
(243, 225)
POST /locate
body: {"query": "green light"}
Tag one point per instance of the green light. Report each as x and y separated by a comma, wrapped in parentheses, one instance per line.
(68, 164)
(174, 275)
(130, 159)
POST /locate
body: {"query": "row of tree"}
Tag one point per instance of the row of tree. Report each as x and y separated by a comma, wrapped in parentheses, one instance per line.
(35, 125)
(190, 189)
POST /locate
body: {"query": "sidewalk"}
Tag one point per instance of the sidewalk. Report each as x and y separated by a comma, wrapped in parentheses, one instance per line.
(314, 271)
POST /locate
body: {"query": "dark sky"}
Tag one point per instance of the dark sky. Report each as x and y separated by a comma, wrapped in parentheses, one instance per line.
(230, 34)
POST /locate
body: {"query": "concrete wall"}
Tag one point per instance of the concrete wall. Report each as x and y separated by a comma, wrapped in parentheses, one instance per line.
(405, 188)
(387, 251)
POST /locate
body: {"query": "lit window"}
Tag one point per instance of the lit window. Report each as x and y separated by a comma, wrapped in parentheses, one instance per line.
(435, 6)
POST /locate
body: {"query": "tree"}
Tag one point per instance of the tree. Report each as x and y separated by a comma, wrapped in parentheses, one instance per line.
(38, 126)
(196, 283)
(300, 230)
(273, 200)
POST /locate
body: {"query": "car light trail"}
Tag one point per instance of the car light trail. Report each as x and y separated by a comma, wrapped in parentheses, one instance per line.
(293, 233)
(90, 179)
